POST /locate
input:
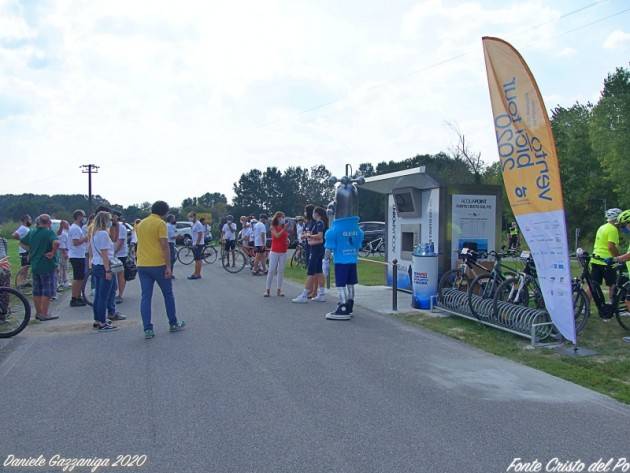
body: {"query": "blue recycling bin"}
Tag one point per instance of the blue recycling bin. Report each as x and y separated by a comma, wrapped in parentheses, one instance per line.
(424, 275)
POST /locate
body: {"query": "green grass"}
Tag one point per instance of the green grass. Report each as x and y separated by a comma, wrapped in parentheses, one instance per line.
(608, 372)
(14, 259)
(370, 273)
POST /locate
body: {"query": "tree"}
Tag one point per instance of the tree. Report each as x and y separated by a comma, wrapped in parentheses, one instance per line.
(610, 133)
(462, 151)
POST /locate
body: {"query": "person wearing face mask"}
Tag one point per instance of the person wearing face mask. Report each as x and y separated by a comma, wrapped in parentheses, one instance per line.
(42, 245)
(77, 249)
(102, 251)
(278, 254)
(228, 237)
(624, 225)
(315, 272)
(20, 233)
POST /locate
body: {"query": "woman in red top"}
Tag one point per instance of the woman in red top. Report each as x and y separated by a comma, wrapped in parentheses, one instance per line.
(278, 254)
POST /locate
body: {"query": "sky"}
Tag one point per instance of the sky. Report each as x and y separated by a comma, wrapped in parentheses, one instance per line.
(175, 99)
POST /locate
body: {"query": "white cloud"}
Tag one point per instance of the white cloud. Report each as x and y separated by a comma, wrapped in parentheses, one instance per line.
(175, 101)
(617, 39)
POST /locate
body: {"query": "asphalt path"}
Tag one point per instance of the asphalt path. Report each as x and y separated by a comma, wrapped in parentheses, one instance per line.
(263, 385)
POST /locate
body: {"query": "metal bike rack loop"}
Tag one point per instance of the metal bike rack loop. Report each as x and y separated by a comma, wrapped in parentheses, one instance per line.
(523, 321)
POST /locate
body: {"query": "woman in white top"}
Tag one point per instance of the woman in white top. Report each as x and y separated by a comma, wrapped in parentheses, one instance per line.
(62, 269)
(102, 251)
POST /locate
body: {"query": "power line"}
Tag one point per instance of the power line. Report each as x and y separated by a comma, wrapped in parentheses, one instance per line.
(466, 53)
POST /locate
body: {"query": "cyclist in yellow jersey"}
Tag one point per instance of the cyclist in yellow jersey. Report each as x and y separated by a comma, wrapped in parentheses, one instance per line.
(605, 247)
(624, 225)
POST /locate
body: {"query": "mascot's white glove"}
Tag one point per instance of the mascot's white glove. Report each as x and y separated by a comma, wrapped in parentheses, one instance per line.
(326, 266)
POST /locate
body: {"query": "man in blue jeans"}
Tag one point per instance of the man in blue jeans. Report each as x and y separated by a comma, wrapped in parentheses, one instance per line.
(154, 266)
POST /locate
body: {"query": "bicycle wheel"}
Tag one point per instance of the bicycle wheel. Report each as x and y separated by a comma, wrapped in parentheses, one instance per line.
(210, 254)
(621, 312)
(15, 312)
(87, 291)
(365, 251)
(185, 255)
(380, 249)
(233, 264)
(23, 281)
(296, 259)
(581, 308)
(483, 286)
(454, 279)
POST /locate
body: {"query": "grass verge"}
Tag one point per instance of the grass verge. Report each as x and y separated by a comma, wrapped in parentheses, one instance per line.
(371, 273)
(608, 372)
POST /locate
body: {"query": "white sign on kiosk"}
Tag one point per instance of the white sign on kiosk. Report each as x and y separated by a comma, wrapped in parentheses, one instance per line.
(473, 223)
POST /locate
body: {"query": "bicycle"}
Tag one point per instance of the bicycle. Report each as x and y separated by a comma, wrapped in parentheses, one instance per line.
(298, 259)
(23, 280)
(15, 312)
(374, 247)
(458, 278)
(236, 262)
(87, 289)
(486, 285)
(186, 255)
(607, 310)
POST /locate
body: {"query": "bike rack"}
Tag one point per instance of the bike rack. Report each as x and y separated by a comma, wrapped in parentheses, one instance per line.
(526, 322)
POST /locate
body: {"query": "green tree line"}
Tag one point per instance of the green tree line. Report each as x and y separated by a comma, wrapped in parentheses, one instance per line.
(592, 141)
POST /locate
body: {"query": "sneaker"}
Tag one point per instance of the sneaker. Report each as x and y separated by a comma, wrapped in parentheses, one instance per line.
(350, 305)
(77, 303)
(319, 298)
(149, 334)
(97, 325)
(300, 299)
(45, 318)
(117, 316)
(107, 328)
(53, 298)
(179, 326)
(626, 339)
(193, 277)
(118, 300)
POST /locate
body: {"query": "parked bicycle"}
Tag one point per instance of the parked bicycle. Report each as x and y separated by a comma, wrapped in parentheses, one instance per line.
(607, 310)
(459, 278)
(372, 248)
(15, 312)
(486, 285)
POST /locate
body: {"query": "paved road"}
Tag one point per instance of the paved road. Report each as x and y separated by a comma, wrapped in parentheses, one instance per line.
(261, 385)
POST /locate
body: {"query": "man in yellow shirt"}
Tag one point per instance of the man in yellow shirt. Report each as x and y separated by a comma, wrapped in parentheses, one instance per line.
(154, 266)
(605, 247)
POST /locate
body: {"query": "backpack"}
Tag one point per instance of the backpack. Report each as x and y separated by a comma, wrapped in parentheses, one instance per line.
(130, 270)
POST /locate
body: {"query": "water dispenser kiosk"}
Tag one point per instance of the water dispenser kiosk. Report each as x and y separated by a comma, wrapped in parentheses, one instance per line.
(423, 209)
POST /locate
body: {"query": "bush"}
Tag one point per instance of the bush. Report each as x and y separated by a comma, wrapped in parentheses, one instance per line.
(7, 228)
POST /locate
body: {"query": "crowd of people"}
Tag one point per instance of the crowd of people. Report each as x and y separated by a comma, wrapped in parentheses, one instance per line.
(98, 247)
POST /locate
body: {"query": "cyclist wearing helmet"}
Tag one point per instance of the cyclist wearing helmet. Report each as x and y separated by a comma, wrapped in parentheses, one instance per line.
(624, 225)
(606, 246)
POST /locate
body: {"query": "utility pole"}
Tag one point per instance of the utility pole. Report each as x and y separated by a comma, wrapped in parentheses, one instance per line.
(89, 169)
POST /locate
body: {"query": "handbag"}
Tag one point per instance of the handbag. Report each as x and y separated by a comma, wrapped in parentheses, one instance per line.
(115, 265)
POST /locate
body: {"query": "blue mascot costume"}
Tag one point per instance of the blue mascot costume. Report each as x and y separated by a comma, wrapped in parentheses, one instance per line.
(343, 241)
